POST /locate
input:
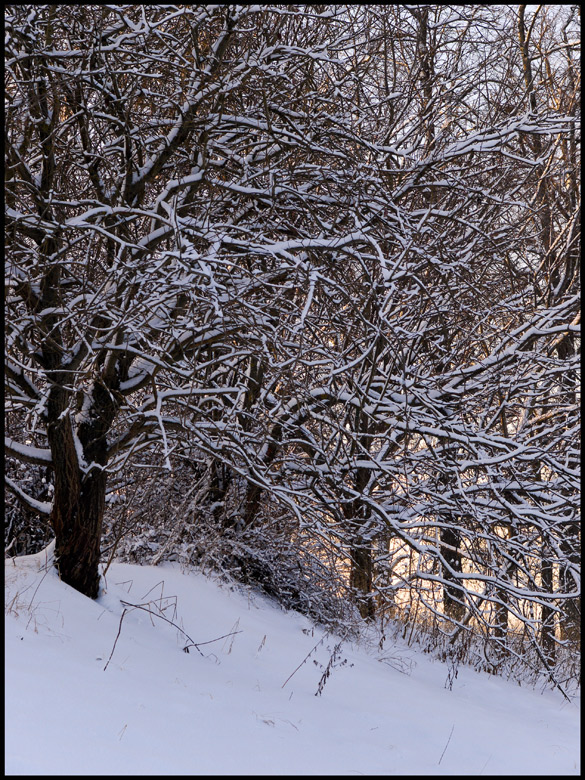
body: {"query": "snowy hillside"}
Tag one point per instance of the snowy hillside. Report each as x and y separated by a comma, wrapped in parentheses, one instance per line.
(245, 704)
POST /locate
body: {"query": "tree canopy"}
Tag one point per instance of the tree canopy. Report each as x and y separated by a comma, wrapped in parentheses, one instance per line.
(326, 258)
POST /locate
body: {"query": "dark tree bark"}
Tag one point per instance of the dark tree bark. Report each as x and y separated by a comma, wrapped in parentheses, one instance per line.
(450, 541)
(361, 578)
(80, 487)
(547, 630)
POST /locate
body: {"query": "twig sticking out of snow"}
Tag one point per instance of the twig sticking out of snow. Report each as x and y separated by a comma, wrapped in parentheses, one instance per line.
(447, 745)
(144, 607)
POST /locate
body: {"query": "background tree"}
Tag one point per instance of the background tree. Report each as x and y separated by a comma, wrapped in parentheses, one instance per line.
(321, 264)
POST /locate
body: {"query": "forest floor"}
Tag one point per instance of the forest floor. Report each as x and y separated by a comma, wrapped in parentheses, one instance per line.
(245, 703)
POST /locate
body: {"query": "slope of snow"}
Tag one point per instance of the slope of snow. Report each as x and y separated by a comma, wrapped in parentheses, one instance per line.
(233, 707)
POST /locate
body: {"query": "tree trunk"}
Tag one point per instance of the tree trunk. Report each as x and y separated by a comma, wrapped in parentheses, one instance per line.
(547, 635)
(252, 503)
(77, 522)
(80, 492)
(452, 594)
(219, 485)
(78, 508)
(570, 617)
(501, 616)
(361, 578)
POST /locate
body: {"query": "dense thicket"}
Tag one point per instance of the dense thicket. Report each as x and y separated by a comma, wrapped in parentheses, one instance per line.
(319, 264)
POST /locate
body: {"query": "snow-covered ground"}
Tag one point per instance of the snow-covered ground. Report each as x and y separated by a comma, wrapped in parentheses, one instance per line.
(247, 706)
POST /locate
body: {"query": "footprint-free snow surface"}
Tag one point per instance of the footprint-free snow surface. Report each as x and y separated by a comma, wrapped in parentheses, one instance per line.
(245, 704)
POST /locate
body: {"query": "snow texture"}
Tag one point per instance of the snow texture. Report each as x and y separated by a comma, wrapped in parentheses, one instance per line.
(246, 703)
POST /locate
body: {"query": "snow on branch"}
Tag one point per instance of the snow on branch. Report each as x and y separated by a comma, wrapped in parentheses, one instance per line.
(41, 507)
(27, 453)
